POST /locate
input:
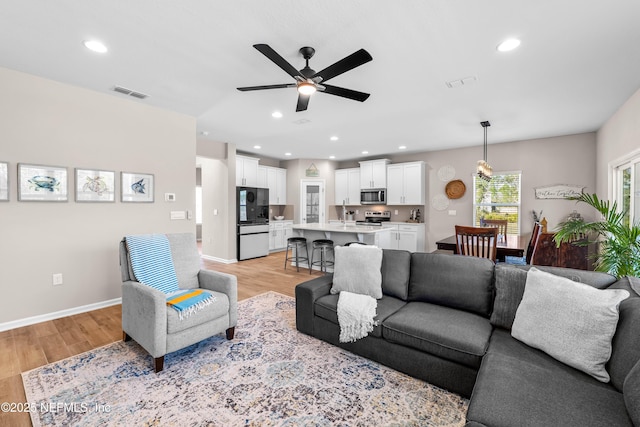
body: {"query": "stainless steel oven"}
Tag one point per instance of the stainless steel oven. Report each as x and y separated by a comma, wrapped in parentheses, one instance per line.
(373, 196)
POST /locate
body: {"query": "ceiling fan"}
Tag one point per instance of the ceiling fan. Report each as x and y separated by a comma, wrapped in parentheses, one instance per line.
(308, 80)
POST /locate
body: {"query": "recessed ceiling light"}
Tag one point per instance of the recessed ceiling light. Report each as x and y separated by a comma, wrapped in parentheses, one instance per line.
(257, 147)
(276, 115)
(508, 45)
(365, 152)
(332, 157)
(287, 154)
(402, 147)
(95, 45)
(334, 138)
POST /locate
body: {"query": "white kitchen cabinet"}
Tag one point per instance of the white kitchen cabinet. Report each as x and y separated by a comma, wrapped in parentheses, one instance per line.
(246, 171)
(279, 232)
(406, 183)
(275, 179)
(373, 174)
(262, 177)
(281, 187)
(347, 186)
(405, 236)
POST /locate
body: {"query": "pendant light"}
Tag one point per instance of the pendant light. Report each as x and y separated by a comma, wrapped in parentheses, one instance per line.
(484, 169)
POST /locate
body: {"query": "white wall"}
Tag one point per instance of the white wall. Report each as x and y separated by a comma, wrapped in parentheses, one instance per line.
(558, 160)
(617, 138)
(50, 123)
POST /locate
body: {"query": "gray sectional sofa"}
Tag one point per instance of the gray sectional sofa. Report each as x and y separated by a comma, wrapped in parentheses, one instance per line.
(446, 319)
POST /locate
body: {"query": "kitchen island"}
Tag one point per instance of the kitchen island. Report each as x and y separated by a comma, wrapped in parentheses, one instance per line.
(341, 234)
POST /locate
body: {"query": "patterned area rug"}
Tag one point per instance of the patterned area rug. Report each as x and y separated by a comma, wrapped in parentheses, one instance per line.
(269, 375)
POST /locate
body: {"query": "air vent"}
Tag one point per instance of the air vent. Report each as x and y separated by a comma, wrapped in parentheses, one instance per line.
(125, 91)
(302, 121)
(461, 82)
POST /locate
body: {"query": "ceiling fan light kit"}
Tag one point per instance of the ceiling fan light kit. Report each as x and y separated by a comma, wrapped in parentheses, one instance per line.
(484, 169)
(307, 80)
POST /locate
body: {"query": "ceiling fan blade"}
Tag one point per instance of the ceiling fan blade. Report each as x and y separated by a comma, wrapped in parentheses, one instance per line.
(345, 64)
(303, 102)
(244, 89)
(267, 51)
(346, 93)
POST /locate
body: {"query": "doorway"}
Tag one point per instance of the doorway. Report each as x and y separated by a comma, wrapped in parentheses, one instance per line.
(312, 201)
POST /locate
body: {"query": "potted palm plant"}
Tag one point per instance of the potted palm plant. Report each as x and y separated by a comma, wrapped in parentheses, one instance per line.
(619, 241)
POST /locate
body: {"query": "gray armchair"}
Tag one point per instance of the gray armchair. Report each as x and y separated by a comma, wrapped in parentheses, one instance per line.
(157, 327)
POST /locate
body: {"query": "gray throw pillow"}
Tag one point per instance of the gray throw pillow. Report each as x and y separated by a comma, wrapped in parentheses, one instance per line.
(357, 270)
(571, 322)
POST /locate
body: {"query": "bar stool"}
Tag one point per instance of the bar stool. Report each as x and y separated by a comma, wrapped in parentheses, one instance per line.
(354, 243)
(296, 243)
(324, 246)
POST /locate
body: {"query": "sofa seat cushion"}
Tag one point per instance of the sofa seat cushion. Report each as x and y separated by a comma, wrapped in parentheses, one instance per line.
(445, 332)
(521, 386)
(218, 308)
(326, 307)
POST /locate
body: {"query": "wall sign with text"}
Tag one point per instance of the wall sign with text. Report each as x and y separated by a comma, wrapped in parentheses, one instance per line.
(558, 191)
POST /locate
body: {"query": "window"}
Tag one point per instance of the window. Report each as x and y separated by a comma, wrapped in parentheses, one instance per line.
(627, 189)
(498, 199)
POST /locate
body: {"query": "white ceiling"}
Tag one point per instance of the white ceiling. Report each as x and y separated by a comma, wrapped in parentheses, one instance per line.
(578, 62)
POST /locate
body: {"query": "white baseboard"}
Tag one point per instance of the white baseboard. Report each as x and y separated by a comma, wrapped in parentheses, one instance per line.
(222, 260)
(58, 314)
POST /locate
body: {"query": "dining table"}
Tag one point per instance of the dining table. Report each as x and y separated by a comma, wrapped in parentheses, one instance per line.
(512, 245)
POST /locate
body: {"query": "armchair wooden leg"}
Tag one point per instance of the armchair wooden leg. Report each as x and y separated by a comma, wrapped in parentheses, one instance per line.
(125, 337)
(230, 332)
(159, 362)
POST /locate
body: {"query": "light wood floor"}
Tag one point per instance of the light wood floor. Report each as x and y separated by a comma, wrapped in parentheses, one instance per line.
(29, 347)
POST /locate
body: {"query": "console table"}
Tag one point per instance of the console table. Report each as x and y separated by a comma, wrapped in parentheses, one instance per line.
(567, 255)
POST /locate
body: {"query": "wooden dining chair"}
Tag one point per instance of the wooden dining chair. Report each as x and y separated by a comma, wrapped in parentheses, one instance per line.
(477, 241)
(533, 242)
(531, 248)
(500, 224)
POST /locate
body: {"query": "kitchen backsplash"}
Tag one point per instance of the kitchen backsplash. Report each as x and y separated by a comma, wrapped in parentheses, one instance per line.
(404, 212)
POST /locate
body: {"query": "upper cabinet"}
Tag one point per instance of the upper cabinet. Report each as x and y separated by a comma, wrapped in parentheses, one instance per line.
(275, 179)
(406, 183)
(246, 171)
(347, 189)
(373, 174)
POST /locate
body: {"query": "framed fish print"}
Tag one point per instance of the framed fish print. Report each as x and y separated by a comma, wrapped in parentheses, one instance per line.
(4, 181)
(42, 183)
(137, 187)
(95, 185)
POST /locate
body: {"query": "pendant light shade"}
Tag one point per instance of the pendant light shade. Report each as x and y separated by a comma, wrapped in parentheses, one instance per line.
(484, 169)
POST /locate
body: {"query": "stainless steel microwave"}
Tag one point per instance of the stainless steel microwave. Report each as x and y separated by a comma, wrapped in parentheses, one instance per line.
(373, 196)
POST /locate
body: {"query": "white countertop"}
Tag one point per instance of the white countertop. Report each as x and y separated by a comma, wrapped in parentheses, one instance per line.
(365, 229)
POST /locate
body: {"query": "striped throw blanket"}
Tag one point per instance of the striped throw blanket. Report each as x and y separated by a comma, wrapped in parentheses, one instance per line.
(189, 301)
(152, 265)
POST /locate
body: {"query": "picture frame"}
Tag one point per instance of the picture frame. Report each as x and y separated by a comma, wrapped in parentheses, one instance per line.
(94, 185)
(137, 187)
(4, 182)
(40, 183)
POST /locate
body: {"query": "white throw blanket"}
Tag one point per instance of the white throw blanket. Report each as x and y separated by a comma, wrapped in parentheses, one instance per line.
(355, 315)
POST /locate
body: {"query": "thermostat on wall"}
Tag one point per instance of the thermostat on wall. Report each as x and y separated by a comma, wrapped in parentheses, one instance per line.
(169, 197)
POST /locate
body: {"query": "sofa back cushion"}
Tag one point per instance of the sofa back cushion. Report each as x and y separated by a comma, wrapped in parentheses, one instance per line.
(626, 344)
(510, 281)
(396, 268)
(455, 281)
